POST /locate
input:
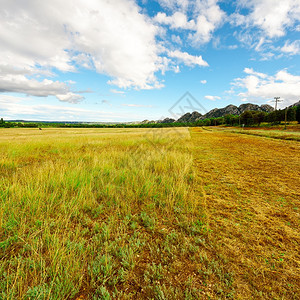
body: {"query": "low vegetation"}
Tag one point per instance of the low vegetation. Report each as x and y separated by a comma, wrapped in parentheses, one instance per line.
(171, 213)
(290, 133)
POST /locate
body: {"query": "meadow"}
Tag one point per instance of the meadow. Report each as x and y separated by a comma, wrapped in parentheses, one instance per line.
(291, 132)
(169, 213)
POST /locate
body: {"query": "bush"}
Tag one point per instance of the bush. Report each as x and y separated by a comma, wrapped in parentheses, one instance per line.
(298, 114)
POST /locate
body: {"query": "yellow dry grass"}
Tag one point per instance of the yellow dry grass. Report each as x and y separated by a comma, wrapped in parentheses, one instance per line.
(165, 213)
(291, 132)
(252, 205)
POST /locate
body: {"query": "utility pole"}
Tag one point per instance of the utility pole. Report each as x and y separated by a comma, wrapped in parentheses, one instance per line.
(276, 101)
(285, 118)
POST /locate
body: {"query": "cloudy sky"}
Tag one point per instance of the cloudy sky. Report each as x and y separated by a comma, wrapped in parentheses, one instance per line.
(124, 60)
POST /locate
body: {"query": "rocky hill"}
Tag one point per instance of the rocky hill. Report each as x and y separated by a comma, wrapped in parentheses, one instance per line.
(190, 117)
(166, 120)
(295, 104)
(221, 112)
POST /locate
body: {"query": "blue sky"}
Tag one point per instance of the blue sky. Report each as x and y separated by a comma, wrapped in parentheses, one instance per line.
(125, 60)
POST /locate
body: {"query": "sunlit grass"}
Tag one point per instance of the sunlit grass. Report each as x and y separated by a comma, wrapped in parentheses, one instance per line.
(79, 207)
(147, 213)
(252, 193)
(282, 134)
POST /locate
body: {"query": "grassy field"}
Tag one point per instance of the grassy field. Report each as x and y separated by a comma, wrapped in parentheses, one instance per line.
(292, 132)
(148, 214)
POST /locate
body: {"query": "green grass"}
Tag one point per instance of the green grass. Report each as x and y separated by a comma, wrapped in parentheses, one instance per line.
(95, 213)
(143, 214)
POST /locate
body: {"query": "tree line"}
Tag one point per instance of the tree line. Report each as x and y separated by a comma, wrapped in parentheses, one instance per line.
(247, 118)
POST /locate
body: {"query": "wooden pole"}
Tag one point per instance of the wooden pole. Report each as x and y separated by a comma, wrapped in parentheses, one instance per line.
(285, 117)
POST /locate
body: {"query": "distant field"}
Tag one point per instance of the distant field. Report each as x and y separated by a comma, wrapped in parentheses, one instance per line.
(170, 213)
(291, 133)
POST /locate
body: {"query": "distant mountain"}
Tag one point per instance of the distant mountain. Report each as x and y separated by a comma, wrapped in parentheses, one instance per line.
(234, 110)
(190, 117)
(146, 122)
(166, 120)
(295, 104)
(221, 112)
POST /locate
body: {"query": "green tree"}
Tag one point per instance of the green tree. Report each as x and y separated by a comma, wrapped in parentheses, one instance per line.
(291, 114)
(258, 117)
(276, 116)
(207, 122)
(247, 118)
(228, 119)
(298, 114)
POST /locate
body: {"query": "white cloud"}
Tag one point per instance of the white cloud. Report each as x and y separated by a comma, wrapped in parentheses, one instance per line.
(272, 18)
(176, 69)
(18, 108)
(206, 17)
(174, 5)
(203, 81)
(212, 98)
(177, 20)
(136, 105)
(70, 97)
(117, 91)
(250, 71)
(286, 77)
(19, 83)
(84, 60)
(188, 59)
(176, 39)
(5, 99)
(114, 38)
(263, 22)
(262, 86)
(209, 18)
(291, 48)
(232, 47)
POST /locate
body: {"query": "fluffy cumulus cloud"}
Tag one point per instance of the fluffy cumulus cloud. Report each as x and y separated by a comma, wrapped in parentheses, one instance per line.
(256, 85)
(39, 39)
(114, 38)
(69, 97)
(188, 59)
(271, 18)
(17, 82)
(111, 37)
(255, 22)
(200, 18)
(209, 17)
